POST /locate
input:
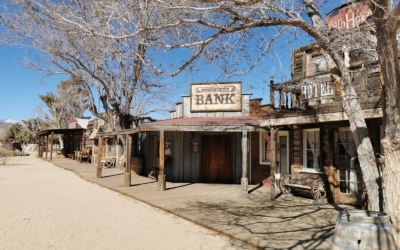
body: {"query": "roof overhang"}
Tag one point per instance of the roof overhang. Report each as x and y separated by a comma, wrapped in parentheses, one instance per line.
(198, 124)
(61, 131)
(318, 118)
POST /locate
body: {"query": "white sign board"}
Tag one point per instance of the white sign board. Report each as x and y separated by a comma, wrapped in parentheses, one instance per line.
(216, 97)
(316, 90)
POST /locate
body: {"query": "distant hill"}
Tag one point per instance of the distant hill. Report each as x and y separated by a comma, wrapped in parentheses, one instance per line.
(5, 124)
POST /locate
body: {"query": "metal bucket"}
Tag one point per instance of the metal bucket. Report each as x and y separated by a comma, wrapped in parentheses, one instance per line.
(362, 229)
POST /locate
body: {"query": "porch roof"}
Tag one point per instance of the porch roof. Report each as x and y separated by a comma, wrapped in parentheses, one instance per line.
(61, 131)
(217, 124)
(209, 124)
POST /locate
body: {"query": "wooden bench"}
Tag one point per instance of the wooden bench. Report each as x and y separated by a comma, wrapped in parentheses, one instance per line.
(313, 183)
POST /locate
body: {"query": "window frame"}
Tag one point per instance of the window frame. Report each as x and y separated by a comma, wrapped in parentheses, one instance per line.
(304, 151)
(348, 172)
(262, 148)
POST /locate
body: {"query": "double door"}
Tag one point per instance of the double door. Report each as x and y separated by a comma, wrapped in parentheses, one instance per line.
(217, 158)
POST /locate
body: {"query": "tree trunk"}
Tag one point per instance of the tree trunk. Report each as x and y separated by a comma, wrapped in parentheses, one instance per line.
(362, 141)
(390, 78)
(358, 127)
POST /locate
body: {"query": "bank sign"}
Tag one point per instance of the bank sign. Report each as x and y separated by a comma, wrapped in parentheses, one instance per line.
(216, 97)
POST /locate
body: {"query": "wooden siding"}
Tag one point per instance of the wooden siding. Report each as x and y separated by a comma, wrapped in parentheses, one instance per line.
(298, 62)
(259, 172)
(297, 146)
(184, 164)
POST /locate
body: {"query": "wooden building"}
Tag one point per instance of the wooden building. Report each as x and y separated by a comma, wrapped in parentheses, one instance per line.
(73, 137)
(204, 138)
(309, 111)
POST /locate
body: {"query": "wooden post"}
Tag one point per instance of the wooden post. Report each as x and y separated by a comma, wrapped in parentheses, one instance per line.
(39, 146)
(273, 164)
(161, 174)
(294, 100)
(99, 156)
(282, 99)
(81, 144)
(51, 147)
(244, 180)
(271, 92)
(127, 174)
(47, 145)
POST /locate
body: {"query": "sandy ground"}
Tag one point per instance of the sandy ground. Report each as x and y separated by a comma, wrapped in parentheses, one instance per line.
(46, 207)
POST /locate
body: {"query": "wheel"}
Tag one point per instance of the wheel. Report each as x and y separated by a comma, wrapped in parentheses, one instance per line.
(318, 190)
(285, 179)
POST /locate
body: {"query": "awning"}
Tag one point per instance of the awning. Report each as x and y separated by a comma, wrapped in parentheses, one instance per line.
(93, 134)
(61, 131)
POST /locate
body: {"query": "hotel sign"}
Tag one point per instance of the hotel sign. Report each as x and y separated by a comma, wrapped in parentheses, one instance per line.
(216, 97)
(349, 17)
(316, 90)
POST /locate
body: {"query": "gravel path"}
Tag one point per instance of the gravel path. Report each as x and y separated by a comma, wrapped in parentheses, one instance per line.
(45, 207)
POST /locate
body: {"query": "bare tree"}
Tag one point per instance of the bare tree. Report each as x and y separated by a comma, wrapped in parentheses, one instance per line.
(121, 46)
(224, 30)
(77, 38)
(70, 101)
(254, 20)
(33, 126)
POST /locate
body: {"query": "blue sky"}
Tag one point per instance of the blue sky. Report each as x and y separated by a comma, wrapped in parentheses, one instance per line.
(20, 88)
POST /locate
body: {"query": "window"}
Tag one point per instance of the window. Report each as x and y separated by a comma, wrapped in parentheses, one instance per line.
(311, 150)
(350, 175)
(265, 147)
(316, 64)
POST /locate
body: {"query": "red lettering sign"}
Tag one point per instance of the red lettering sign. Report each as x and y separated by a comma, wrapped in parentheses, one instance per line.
(349, 18)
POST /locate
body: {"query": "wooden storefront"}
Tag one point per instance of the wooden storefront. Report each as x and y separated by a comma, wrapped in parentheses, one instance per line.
(310, 110)
(208, 138)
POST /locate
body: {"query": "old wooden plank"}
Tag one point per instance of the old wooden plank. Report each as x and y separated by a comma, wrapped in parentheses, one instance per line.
(308, 119)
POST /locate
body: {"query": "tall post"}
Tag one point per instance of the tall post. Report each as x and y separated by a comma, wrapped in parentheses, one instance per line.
(294, 100)
(82, 147)
(271, 92)
(39, 146)
(273, 164)
(42, 147)
(47, 145)
(99, 156)
(282, 99)
(244, 180)
(161, 174)
(51, 147)
(127, 174)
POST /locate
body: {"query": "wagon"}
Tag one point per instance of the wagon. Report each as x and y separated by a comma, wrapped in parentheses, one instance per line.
(313, 183)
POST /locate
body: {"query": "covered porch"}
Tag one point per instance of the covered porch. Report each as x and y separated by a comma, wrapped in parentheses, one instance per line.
(189, 142)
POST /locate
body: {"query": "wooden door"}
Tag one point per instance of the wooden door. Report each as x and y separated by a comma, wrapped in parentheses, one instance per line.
(348, 172)
(217, 158)
(282, 154)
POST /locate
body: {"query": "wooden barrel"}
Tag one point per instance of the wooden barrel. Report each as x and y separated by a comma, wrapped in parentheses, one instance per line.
(361, 229)
(136, 165)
